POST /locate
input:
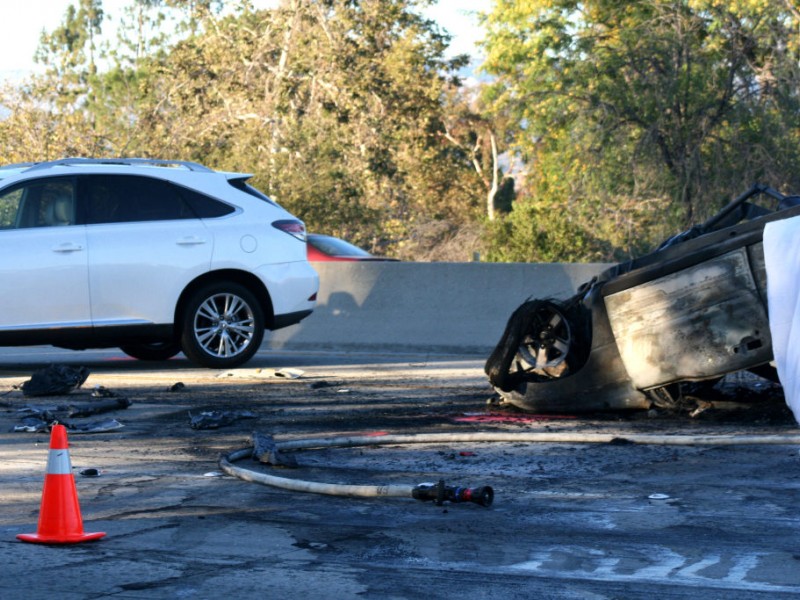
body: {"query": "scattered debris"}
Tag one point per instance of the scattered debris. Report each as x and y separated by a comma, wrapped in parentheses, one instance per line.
(289, 373)
(90, 472)
(96, 408)
(701, 408)
(620, 441)
(177, 387)
(38, 425)
(319, 384)
(52, 413)
(100, 391)
(61, 380)
(55, 380)
(214, 419)
(240, 373)
(46, 413)
(265, 451)
(94, 426)
(742, 395)
(32, 425)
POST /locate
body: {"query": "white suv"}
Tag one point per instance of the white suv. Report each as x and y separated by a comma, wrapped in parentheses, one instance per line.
(152, 256)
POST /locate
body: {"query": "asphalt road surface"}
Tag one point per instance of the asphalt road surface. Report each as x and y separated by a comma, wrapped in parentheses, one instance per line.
(610, 519)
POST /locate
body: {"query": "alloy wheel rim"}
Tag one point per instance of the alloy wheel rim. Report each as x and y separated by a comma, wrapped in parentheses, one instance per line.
(224, 325)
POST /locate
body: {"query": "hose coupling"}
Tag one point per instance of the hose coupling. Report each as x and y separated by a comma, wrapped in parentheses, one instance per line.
(441, 493)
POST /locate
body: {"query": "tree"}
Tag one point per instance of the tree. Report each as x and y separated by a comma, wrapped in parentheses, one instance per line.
(71, 50)
(661, 101)
(47, 116)
(474, 137)
(336, 106)
(341, 108)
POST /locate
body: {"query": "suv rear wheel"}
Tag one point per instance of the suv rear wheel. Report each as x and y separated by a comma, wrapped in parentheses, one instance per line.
(223, 326)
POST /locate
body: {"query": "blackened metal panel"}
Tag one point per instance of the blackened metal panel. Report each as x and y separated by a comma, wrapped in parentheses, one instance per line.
(758, 266)
(702, 321)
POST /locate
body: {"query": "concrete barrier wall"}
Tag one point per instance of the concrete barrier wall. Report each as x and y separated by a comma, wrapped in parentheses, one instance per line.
(458, 308)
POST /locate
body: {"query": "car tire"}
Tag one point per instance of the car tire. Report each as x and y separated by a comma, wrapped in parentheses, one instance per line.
(223, 326)
(152, 351)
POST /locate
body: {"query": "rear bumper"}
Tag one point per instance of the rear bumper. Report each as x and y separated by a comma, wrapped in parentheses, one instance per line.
(292, 288)
(287, 319)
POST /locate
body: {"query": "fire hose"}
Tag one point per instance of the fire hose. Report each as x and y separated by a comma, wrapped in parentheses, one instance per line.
(440, 492)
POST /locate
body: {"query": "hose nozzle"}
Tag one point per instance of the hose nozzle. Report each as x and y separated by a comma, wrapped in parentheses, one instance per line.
(440, 493)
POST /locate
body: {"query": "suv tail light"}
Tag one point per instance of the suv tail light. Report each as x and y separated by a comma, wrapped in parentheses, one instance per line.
(293, 227)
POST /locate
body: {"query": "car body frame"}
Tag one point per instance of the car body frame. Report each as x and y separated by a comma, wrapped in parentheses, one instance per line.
(694, 310)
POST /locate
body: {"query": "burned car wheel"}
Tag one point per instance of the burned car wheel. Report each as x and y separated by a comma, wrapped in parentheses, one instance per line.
(537, 344)
(223, 326)
(546, 344)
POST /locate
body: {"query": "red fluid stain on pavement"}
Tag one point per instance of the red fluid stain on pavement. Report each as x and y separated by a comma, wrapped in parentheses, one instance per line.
(490, 418)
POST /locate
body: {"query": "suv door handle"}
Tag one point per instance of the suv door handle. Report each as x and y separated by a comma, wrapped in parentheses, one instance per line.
(67, 247)
(191, 240)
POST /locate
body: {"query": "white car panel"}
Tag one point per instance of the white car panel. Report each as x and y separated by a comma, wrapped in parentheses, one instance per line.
(45, 278)
(298, 282)
(137, 271)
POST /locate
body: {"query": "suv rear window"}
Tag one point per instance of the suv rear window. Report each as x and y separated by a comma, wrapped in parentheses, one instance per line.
(242, 185)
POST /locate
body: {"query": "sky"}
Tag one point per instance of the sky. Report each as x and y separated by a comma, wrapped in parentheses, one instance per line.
(21, 28)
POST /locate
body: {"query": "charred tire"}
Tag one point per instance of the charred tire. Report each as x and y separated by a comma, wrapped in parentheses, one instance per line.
(535, 346)
(547, 341)
(152, 351)
(223, 326)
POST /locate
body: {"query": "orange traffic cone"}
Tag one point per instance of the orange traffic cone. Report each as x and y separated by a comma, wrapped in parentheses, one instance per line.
(59, 515)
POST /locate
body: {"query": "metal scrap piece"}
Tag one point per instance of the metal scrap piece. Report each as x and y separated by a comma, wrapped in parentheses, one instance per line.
(55, 380)
(214, 419)
(265, 451)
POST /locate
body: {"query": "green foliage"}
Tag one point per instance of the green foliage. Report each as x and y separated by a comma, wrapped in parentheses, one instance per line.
(673, 105)
(607, 126)
(336, 107)
(70, 50)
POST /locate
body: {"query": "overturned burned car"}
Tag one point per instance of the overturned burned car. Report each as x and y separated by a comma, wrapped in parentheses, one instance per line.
(693, 310)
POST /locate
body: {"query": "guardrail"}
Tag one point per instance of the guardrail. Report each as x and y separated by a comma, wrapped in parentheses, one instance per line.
(442, 308)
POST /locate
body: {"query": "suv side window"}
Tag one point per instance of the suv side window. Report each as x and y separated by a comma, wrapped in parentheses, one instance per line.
(40, 203)
(203, 206)
(9, 208)
(131, 198)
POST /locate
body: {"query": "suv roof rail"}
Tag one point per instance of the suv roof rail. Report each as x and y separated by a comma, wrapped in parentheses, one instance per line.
(21, 165)
(66, 162)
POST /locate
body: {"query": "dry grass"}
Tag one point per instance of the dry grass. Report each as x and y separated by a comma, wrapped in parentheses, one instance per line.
(442, 241)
